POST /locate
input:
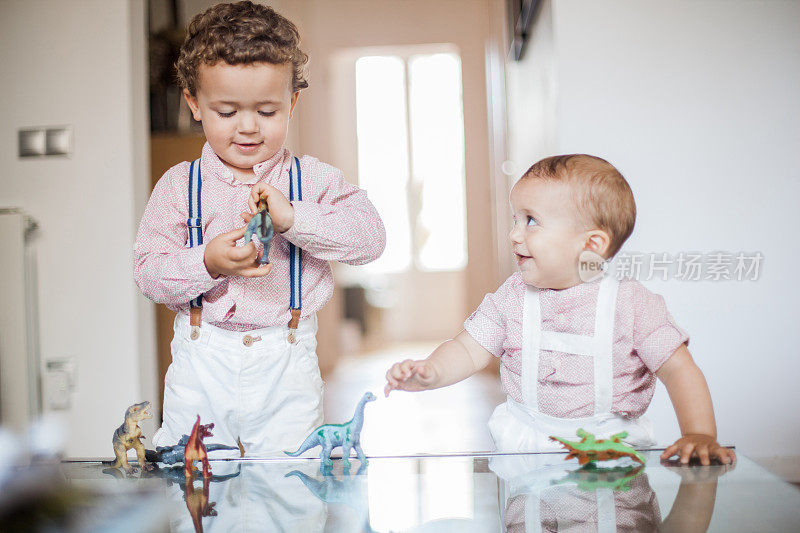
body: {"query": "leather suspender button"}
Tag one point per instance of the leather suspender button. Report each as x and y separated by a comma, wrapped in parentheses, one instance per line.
(247, 340)
(195, 334)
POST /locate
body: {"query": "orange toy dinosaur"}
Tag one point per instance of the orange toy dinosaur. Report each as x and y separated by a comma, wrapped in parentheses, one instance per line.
(196, 450)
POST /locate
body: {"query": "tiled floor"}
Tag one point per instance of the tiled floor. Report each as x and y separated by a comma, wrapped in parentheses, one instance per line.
(448, 420)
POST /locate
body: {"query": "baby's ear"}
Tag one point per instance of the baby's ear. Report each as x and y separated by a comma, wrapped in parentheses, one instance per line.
(597, 241)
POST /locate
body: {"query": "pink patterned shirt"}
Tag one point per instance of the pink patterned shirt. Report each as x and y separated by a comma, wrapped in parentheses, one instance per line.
(334, 222)
(645, 336)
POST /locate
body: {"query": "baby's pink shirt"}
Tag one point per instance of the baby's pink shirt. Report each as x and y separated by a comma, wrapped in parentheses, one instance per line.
(645, 336)
(335, 221)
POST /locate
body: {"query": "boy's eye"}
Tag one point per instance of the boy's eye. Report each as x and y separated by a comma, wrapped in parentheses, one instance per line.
(266, 113)
(532, 221)
(229, 114)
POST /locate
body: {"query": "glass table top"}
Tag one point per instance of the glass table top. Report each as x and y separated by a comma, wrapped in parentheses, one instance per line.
(524, 492)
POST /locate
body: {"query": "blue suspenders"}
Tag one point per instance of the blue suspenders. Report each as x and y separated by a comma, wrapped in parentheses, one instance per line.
(195, 227)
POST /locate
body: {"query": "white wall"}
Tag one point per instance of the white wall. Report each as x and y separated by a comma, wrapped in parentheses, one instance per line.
(698, 104)
(83, 64)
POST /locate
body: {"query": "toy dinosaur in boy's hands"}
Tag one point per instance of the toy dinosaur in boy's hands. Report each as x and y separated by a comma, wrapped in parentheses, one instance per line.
(589, 449)
(261, 226)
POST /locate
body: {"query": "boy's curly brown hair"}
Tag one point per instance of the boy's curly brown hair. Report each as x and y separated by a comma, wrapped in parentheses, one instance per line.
(240, 33)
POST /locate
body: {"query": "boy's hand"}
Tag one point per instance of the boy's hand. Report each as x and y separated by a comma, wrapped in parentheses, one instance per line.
(700, 446)
(223, 258)
(410, 375)
(281, 211)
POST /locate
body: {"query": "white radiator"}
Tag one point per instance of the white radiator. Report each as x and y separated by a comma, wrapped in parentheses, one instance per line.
(19, 334)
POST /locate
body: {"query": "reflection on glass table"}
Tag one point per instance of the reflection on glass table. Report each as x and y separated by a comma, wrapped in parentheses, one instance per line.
(514, 492)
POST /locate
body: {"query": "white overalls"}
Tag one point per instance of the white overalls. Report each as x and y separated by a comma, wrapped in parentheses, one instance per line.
(521, 427)
(261, 387)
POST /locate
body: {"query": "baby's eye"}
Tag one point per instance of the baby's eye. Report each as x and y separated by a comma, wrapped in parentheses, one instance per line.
(532, 221)
(266, 113)
(229, 114)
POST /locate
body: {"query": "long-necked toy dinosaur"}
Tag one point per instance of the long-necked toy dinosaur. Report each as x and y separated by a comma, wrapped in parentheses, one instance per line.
(590, 449)
(330, 436)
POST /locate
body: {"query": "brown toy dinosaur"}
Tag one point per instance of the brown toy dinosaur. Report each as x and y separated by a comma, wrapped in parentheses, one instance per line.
(128, 436)
(196, 450)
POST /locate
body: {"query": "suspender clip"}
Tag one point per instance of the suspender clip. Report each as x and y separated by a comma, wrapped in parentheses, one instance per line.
(293, 326)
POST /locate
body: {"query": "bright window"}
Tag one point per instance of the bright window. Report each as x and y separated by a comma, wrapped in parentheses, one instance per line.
(411, 157)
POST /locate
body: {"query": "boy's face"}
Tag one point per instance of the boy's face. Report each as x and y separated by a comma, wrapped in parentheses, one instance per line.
(548, 235)
(245, 110)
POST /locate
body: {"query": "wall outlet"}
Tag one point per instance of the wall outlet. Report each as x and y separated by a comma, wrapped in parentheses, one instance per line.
(59, 383)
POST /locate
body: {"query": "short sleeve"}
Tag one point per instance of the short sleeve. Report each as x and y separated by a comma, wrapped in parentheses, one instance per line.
(656, 336)
(488, 324)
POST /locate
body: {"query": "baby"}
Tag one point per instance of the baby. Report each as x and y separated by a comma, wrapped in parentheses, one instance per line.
(573, 353)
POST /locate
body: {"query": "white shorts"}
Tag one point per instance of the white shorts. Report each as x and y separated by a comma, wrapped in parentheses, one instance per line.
(255, 386)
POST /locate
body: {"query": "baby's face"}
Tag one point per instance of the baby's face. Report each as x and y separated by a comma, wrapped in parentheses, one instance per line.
(548, 234)
(245, 110)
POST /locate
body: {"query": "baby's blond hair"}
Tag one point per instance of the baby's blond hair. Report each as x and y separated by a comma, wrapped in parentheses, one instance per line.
(601, 193)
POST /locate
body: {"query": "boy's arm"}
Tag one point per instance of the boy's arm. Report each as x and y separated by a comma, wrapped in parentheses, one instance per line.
(453, 361)
(691, 399)
(341, 224)
(165, 270)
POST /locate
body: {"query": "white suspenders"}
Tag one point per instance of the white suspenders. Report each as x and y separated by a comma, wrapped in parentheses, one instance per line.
(195, 228)
(598, 346)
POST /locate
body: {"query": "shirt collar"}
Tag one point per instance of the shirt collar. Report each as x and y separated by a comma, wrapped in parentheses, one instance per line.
(268, 170)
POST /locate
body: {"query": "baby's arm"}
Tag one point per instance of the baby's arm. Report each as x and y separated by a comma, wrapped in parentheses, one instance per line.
(453, 361)
(691, 399)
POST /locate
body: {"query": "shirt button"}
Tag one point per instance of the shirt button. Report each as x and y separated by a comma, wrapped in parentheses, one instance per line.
(234, 291)
(247, 340)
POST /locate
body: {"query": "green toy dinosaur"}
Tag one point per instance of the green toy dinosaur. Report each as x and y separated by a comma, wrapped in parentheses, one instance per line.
(589, 449)
(347, 435)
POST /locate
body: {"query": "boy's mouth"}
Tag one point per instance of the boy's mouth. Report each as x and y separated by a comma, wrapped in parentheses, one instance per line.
(247, 147)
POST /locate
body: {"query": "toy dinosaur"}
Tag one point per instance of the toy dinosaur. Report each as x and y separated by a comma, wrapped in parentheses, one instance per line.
(261, 226)
(347, 435)
(195, 450)
(129, 435)
(588, 449)
(169, 455)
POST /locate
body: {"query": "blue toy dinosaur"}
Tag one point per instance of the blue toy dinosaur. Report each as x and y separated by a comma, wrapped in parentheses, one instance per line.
(347, 435)
(261, 226)
(170, 455)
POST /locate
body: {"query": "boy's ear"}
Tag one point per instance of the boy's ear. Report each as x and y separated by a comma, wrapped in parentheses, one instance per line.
(193, 105)
(598, 241)
(295, 96)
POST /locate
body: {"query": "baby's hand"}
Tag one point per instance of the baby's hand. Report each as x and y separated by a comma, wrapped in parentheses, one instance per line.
(281, 211)
(223, 257)
(701, 446)
(410, 375)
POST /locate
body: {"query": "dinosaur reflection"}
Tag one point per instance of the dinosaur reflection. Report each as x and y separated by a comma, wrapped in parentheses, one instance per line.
(350, 490)
(542, 493)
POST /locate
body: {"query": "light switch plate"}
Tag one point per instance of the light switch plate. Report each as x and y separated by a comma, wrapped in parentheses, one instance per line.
(32, 142)
(58, 141)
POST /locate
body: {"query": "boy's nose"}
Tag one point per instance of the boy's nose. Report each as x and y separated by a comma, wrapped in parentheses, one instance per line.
(515, 234)
(247, 123)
